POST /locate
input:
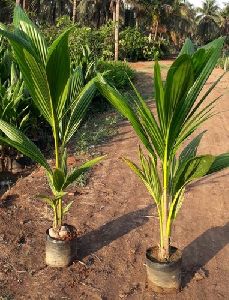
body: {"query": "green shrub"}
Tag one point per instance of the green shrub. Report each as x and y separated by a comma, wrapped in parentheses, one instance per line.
(116, 73)
(132, 43)
(100, 41)
(5, 60)
(135, 45)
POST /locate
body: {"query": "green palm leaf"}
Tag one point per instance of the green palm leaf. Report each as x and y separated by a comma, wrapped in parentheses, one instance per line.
(190, 150)
(37, 41)
(192, 169)
(221, 162)
(179, 79)
(58, 179)
(36, 81)
(78, 110)
(30, 32)
(149, 125)
(188, 48)
(33, 73)
(18, 140)
(82, 169)
(121, 104)
(58, 73)
(159, 96)
(153, 189)
(181, 114)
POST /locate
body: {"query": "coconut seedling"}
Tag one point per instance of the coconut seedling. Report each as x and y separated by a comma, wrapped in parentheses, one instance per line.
(166, 166)
(62, 98)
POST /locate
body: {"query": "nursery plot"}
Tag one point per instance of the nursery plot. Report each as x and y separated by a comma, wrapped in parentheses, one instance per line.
(116, 222)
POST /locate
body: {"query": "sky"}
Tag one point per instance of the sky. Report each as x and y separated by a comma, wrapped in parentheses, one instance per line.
(198, 3)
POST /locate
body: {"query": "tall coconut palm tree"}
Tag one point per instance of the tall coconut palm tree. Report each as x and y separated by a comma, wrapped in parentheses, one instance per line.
(141, 9)
(224, 20)
(94, 12)
(208, 21)
(209, 9)
(181, 23)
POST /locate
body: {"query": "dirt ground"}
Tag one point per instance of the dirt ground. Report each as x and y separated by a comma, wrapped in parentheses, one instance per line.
(116, 221)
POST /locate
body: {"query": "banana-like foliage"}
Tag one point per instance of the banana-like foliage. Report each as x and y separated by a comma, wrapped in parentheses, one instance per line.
(61, 97)
(179, 112)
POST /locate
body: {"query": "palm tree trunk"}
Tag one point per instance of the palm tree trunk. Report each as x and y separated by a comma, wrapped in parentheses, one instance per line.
(137, 22)
(74, 11)
(156, 30)
(25, 4)
(117, 11)
(114, 15)
(53, 12)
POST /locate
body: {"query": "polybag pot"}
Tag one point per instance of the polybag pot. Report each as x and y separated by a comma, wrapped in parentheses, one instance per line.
(164, 276)
(60, 253)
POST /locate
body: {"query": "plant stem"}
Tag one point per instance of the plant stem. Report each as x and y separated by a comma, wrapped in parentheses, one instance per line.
(55, 217)
(59, 203)
(60, 212)
(161, 228)
(164, 246)
(56, 148)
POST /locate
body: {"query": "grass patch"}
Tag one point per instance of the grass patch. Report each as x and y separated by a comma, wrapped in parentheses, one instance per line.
(95, 131)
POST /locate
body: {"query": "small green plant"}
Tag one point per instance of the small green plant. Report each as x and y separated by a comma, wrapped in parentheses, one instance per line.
(167, 168)
(60, 96)
(117, 73)
(5, 60)
(223, 61)
(132, 42)
(13, 110)
(14, 104)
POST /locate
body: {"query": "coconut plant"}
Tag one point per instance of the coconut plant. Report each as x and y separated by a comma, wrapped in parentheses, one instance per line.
(169, 162)
(62, 98)
(14, 110)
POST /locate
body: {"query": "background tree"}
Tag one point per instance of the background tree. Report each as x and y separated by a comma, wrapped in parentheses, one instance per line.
(117, 12)
(75, 2)
(164, 22)
(224, 20)
(208, 21)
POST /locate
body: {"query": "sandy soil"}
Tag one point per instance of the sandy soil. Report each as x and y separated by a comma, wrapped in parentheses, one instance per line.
(116, 221)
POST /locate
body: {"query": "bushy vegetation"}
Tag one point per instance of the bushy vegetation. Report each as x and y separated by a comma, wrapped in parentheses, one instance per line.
(117, 73)
(147, 28)
(99, 41)
(135, 45)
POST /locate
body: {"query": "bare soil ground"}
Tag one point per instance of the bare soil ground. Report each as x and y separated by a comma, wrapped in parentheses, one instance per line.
(116, 222)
